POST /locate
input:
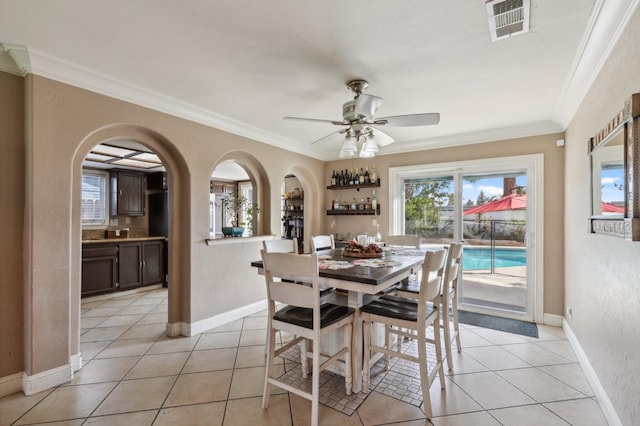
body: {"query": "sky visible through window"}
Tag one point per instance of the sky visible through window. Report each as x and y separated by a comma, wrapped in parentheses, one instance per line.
(491, 186)
(612, 185)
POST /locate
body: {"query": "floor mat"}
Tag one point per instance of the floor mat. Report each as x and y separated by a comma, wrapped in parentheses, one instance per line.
(496, 323)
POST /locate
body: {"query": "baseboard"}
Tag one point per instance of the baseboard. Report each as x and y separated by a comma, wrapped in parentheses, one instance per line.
(553, 320)
(222, 319)
(10, 384)
(76, 361)
(602, 397)
(174, 329)
(46, 380)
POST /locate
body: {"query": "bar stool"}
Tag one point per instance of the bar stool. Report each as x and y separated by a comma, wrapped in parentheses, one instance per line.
(408, 317)
(306, 318)
(446, 299)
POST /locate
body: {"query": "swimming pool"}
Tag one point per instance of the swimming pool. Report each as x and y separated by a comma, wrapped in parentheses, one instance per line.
(480, 258)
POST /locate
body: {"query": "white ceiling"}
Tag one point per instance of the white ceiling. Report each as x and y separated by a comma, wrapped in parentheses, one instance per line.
(242, 66)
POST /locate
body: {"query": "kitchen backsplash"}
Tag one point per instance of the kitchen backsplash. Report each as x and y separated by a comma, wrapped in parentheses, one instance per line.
(138, 228)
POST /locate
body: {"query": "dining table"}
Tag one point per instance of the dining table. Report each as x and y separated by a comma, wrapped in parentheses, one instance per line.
(361, 278)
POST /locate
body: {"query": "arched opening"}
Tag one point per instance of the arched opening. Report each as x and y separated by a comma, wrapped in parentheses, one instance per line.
(232, 202)
(240, 179)
(178, 252)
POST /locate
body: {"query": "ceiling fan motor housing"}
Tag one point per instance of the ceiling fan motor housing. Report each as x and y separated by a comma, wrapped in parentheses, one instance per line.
(349, 111)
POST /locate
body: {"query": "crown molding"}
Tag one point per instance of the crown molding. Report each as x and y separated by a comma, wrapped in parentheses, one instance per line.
(491, 135)
(65, 72)
(11, 55)
(606, 24)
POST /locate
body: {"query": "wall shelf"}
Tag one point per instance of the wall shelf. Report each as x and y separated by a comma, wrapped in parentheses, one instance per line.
(356, 187)
(362, 212)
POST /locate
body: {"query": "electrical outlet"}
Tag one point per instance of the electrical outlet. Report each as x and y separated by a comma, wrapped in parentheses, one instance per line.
(127, 220)
(569, 312)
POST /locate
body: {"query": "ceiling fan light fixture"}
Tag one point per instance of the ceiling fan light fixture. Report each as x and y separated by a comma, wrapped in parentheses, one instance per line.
(370, 146)
(349, 148)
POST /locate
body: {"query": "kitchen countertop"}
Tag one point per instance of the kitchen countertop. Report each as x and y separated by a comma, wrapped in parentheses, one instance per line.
(122, 240)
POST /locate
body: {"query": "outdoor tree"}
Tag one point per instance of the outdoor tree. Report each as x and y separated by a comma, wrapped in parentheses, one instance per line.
(423, 202)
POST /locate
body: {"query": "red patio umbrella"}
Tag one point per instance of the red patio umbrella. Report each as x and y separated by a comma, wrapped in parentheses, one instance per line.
(611, 208)
(519, 202)
(509, 202)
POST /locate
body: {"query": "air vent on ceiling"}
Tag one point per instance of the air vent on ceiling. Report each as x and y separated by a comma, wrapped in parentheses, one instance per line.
(507, 18)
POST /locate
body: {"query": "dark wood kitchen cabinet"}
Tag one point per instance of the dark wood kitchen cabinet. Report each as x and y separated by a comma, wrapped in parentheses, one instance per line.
(99, 268)
(127, 190)
(153, 262)
(108, 267)
(141, 264)
(129, 265)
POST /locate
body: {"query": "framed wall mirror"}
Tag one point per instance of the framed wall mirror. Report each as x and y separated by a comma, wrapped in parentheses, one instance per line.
(614, 159)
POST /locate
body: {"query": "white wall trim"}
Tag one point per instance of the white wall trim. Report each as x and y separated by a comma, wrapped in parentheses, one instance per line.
(602, 397)
(76, 361)
(174, 329)
(47, 379)
(553, 320)
(10, 384)
(221, 319)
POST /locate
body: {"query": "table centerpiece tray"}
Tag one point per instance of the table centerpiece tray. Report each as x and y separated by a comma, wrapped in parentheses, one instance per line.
(360, 255)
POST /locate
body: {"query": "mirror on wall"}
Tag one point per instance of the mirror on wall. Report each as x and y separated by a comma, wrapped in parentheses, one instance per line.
(615, 158)
(607, 174)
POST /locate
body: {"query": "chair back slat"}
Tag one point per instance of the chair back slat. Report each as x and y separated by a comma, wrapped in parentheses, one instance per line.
(452, 267)
(432, 273)
(403, 241)
(292, 267)
(281, 246)
(322, 242)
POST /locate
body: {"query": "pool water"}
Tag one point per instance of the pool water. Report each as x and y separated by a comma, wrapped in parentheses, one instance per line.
(480, 258)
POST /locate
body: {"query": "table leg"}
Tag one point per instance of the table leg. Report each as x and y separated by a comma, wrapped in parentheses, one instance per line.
(355, 301)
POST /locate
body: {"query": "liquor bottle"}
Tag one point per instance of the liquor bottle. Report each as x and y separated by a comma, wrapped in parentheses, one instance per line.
(333, 178)
(374, 201)
(351, 182)
(361, 176)
(367, 178)
(373, 176)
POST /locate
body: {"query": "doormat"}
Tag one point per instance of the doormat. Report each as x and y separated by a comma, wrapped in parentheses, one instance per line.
(496, 323)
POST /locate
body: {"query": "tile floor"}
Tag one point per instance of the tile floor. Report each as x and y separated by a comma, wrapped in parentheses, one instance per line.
(135, 375)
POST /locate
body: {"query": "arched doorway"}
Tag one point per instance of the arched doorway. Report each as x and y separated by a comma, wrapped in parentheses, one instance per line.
(178, 227)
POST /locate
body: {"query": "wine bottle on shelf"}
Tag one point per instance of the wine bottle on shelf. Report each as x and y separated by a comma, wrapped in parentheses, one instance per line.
(361, 176)
(367, 177)
(333, 178)
(373, 176)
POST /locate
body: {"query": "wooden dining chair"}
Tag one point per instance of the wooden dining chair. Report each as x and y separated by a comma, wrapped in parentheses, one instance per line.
(322, 242)
(281, 245)
(306, 318)
(408, 317)
(446, 300)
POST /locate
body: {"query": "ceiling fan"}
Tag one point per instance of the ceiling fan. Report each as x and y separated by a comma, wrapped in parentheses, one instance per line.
(358, 117)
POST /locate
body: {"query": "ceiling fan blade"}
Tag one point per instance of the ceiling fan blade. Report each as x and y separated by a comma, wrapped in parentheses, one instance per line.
(380, 137)
(330, 137)
(367, 105)
(317, 120)
(426, 119)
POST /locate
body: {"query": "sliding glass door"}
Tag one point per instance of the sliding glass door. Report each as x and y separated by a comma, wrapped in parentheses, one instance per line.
(492, 206)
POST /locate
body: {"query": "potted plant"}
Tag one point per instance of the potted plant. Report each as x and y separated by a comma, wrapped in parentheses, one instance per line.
(237, 205)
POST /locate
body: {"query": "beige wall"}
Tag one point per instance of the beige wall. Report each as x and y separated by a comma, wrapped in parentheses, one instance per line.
(11, 222)
(65, 122)
(602, 274)
(553, 197)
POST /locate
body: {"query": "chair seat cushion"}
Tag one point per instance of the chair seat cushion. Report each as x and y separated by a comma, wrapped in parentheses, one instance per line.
(396, 307)
(409, 287)
(329, 313)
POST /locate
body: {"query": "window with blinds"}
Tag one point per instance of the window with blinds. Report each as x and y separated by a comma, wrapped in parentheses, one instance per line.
(94, 198)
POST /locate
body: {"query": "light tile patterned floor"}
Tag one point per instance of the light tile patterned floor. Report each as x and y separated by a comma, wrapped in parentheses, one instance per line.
(134, 374)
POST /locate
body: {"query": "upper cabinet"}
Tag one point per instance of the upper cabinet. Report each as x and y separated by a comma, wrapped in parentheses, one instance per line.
(127, 193)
